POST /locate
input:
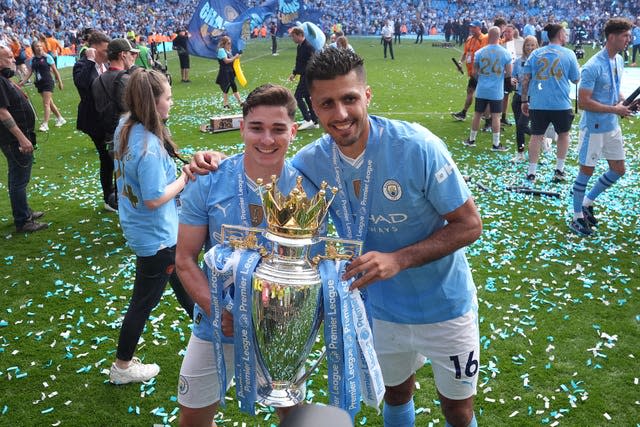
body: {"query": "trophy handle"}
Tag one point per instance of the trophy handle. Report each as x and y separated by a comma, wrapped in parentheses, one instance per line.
(307, 373)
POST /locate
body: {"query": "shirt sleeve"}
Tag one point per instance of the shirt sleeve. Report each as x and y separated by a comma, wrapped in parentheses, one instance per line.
(151, 174)
(193, 204)
(50, 60)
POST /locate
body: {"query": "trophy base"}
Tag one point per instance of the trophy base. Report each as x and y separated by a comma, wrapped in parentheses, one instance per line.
(280, 395)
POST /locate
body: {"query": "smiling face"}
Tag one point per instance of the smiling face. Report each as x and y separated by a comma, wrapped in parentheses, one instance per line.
(341, 106)
(267, 131)
(164, 102)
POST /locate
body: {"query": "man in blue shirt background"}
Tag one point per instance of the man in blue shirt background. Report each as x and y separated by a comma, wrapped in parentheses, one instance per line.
(492, 69)
(600, 136)
(545, 96)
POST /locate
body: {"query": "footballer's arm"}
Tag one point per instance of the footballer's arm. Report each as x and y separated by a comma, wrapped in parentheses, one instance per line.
(463, 227)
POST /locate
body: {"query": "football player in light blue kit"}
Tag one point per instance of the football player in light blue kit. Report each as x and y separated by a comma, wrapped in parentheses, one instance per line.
(228, 196)
(402, 194)
(600, 136)
(492, 69)
(545, 96)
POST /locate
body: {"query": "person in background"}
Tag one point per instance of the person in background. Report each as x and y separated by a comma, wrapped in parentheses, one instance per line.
(492, 69)
(387, 39)
(180, 45)
(601, 102)
(147, 186)
(635, 35)
(17, 142)
(522, 122)
(304, 52)
(475, 42)
(93, 63)
(545, 97)
(273, 31)
(226, 75)
(144, 58)
(43, 66)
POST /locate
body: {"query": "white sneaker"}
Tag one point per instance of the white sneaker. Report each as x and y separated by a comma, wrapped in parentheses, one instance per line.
(44, 127)
(137, 372)
(60, 122)
(519, 157)
(546, 145)
(307, 124)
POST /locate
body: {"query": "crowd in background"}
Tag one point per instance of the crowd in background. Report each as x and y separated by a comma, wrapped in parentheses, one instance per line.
(63, 19)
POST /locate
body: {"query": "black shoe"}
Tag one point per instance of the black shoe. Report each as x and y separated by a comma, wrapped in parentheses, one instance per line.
(469, 142)
(506, 122)
(559, 176)
(499, 147)
(36, 214)
(226, 106)
(589, 217)
(459, 116)
(580, 227)
(31, 226)
(531, 177)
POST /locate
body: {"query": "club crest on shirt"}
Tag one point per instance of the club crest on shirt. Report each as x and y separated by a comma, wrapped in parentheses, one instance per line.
(256, 213)
(392, 190)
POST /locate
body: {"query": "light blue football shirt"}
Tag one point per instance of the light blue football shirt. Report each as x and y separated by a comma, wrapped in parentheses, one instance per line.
(552, 69)
(413, 183)
(143, 174)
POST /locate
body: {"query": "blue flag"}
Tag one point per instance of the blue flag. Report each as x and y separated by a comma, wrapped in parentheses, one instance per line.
(215, 18)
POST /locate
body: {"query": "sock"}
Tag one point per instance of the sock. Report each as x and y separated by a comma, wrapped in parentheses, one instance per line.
(472, 135)
(496, 139)
(586, 202)
(560, 164)
(579, 188)
(532, 168)
(400, 415)
(472, 423)
(605, 181)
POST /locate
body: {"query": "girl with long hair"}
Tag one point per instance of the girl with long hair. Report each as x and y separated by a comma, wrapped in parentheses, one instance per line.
(43, 66)
(147, 189)
(226, 75)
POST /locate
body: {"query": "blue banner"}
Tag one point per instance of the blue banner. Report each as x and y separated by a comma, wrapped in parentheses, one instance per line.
(215, 18)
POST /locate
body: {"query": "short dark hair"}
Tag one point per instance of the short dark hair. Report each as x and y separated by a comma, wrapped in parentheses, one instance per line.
(499, 21)
(271, 95)
(553, 30)
(616, 26)
(328, 64)
(97, 37)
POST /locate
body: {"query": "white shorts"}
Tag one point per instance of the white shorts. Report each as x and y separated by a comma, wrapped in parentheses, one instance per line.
(452, 346)
(198, 384)
(594, 146)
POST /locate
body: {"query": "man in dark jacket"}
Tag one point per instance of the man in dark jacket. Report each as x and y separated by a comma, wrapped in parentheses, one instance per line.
(85, 71)
(17, 141)
(303, 54)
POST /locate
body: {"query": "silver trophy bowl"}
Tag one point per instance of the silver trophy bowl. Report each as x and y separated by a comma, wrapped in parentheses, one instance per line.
(286, 318)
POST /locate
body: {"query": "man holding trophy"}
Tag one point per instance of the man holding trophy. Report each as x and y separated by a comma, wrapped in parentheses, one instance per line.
(277, 305)
(402, 195)
(228, 196)
(414, 221)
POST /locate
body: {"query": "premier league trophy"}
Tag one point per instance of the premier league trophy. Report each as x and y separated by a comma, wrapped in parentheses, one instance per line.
(286, 282)
(286, 287)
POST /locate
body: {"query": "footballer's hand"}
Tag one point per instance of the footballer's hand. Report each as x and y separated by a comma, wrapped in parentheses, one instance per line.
(227, 323)
(203, 162)
(372, 267)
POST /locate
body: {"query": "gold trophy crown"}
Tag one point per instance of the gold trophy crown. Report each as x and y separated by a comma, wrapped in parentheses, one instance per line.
(295, 215)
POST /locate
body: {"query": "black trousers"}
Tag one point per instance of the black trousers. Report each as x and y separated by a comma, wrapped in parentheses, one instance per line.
(152, 274)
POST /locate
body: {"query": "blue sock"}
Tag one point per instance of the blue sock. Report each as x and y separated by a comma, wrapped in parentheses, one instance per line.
(399, 416)
(605, 181)
(473, 423)
(579, 188)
